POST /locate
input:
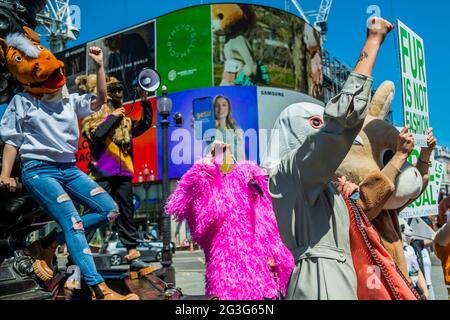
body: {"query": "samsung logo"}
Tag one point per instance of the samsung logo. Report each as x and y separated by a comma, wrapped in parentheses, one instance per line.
(272, 93)
(72, 53)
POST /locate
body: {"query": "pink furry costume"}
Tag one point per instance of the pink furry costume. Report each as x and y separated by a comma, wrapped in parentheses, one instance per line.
(236, 227)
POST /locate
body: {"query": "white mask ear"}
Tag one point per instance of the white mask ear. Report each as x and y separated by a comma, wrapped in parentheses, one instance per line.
(358, 141)
(382, 100)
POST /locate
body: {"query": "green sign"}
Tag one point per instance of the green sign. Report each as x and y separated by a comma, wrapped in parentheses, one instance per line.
(414, 83)
(427, 203)
(184, 49)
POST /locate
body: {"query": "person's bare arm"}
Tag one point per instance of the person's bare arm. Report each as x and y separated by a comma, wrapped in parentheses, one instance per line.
(444, 207)
(423, 165)
(405, 145)
(344, 116)
(422, 284)
(442, 237)
(376, 33)
(9, 156)
(96, 55)
(377, 30)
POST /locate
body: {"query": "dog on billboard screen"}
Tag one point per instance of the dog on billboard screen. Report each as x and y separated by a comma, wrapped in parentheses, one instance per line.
(240, 67)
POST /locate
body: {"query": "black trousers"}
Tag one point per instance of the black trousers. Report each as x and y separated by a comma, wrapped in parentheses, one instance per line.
(121, 190)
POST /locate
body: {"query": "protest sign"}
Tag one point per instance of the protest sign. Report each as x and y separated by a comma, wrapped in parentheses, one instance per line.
(427, 203)
(414, 83)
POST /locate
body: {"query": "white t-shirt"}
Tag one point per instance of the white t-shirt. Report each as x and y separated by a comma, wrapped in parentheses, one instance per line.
(45, 129)
(427, 266)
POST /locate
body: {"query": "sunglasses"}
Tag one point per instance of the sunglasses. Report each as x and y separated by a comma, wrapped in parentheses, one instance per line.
(116, 90)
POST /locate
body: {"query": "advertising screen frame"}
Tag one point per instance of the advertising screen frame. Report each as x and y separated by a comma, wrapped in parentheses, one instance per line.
(156, 61)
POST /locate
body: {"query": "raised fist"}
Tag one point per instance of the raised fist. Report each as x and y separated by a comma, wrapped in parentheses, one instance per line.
(378, 29)
(96, 55)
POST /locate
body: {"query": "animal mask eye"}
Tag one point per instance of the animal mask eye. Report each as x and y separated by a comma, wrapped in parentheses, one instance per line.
(386, 156)
(220, 16)
(316, 122)
(358, 141)
(18, 59)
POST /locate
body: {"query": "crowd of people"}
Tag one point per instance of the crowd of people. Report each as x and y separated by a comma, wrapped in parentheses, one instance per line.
(291, 228)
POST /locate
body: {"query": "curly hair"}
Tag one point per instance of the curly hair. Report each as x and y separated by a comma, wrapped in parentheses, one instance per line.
(121, 135)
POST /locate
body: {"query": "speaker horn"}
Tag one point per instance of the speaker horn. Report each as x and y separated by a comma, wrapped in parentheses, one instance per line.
(149, 80)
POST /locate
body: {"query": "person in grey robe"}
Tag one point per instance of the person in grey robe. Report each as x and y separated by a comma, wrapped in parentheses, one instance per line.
(312, 216)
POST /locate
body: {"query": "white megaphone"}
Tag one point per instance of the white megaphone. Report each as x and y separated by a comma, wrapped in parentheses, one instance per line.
(149, 80)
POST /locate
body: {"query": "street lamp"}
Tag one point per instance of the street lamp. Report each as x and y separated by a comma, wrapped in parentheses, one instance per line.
(164, 106)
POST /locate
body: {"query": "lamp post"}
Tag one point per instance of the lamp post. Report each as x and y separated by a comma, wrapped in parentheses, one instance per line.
(164, 106)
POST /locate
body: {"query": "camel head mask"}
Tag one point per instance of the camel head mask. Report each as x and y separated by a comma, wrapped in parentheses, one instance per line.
(374, 148)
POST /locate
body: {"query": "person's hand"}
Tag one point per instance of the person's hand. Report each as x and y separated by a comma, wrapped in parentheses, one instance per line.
(119, 112)
(405, 143)
(218, 148)
(272, 263)
(8, 183)
(346, 188)
(96, 55)
(142, 94)
(4, 182)
(378, 29)
(431, 142)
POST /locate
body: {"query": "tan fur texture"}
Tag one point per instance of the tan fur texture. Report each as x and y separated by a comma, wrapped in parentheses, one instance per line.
(233, 17)
(377, 136)
(87, 83)
(374, 191)
(121, 134)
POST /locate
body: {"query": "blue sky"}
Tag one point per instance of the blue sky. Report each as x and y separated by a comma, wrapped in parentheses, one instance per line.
(345, 38)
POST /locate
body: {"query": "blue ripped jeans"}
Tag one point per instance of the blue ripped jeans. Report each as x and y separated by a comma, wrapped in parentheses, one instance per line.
(53, 186)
